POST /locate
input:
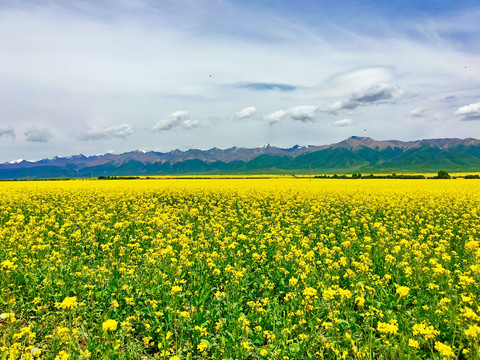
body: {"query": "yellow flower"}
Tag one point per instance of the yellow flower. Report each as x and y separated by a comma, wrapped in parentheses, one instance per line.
(202, 330)
(176, 289)
(263, 352)
(246, 345)
(293, 281)
(109, 325)
(444, 350)
(9, 265)
(468, 313)
(202, 347)
(329, 294)
(130, 300)
(413, 343)
(62, 355)
(444, 301)
(309, 291)
(360, 301)
(68, 303)
(427, 331)
(403, 291)
(184, 314)
(473, 331)
(390, 328)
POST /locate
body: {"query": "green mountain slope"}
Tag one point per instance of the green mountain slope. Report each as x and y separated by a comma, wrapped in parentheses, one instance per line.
(358, 155)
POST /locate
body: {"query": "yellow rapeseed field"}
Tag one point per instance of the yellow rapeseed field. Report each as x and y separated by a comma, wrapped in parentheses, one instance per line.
(240, 269)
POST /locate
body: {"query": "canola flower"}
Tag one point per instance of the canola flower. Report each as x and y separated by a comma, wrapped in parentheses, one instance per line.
(390, 328)
(70, 302)
(234, 269)
(62, 355)
(8, 265)
(413, 343)
(444, 350)
(403, 291)
(109, 325)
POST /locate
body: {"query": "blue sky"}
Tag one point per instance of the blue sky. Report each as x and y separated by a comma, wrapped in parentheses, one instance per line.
(112, 76)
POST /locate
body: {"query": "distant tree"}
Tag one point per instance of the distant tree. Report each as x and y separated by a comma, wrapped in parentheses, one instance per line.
(442, 174)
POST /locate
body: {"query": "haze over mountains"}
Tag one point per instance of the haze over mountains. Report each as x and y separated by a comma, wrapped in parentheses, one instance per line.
(355, 154)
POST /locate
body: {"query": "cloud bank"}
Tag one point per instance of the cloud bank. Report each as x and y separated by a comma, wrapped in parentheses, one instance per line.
(110, 132)
(38, 135)
(7, 132)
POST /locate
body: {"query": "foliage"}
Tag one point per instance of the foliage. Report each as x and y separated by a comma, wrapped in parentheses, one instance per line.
(442, 174)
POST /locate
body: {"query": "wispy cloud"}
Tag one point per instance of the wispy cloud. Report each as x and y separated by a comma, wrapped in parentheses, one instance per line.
(469, 112)
(427, 113)
(42, 135)
(448, 99)
(246, 113)
(377, 94)
(420, 112)
(343, 122)
(7, 132)
(179, 118)
(110, 132)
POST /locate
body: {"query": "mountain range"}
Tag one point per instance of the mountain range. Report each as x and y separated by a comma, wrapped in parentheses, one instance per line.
(355, 154)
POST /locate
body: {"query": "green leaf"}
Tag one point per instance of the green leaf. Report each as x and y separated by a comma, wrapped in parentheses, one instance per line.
(206, 342)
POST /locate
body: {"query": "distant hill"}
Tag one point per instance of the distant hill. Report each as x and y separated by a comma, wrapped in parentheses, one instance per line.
(355, 154)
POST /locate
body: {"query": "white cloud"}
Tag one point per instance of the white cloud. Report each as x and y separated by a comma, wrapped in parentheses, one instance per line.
(275, 117)
(343, 122)
(110, 132)
(302, 113)
(7, 132)
(38, 135)
(334, 107)
(469, 112)
(246, 113)
(298, 113)
(179, 118)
